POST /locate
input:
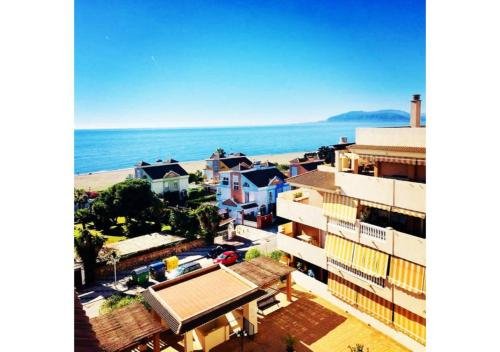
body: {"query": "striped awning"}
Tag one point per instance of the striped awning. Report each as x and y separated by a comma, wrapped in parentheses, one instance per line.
(340, 207)
(367, 203)
(339, 249)
(407, 275)
(343, 289)
(370, 261)
(408, 212)
(375, 305)
(392, 159)
(410, 323)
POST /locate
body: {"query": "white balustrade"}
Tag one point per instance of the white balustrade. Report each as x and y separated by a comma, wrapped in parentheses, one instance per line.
(373, 231)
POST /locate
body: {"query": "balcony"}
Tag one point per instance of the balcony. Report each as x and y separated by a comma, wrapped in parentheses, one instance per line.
(300, 249)
(391, 192)
(297, 206)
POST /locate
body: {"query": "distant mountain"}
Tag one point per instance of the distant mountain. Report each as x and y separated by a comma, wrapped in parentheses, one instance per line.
(380, 115)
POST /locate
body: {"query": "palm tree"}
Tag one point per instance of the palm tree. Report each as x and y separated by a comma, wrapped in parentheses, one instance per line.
(87, 247)
(209, 219)
(222, 152)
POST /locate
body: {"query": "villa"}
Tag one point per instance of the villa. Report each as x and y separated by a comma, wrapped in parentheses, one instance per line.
(359, 227)
(299, 166)
(217, 163)
(249, 196)
(167, 177)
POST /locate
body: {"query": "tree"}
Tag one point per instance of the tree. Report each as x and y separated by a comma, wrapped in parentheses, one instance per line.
(208, 216)
(196, 177)
(276, 255)
(132, 199)
(83, 216)
(87, 247)
(325, 152)
(183, 223)
(283, 167)
(80, 198)
(222, 152)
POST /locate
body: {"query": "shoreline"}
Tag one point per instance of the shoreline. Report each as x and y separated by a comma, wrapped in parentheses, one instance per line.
(99, 180)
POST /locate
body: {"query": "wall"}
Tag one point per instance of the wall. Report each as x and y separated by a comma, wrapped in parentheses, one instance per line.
(300, 249)
(409, 195)
(411, 302)
(393, 169)
(303, 213)
(237, 195)
(414, 137)
(409, 247)
(131, 263)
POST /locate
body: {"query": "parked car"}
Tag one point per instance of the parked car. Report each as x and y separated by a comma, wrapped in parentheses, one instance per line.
(183, 269)
(227, 258)
(215, 252)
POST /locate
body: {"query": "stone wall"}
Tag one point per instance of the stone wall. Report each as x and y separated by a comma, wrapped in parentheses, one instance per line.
(130, 263)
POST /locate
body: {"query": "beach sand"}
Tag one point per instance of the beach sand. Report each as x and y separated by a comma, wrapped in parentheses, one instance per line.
(101, 180)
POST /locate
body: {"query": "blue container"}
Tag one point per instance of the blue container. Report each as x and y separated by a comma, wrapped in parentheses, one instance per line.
(157, 270)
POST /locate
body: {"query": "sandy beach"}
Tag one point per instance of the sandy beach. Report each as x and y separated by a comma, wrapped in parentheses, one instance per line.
(100, 180)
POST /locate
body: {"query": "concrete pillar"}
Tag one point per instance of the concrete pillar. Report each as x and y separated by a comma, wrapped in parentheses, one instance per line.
(250, 314)
(289, 287)
(188, 341)
(355, 166)
(338, 162)
(376, 169)
(156, 342)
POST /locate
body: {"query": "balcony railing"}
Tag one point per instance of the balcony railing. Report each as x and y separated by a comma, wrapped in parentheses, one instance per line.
(373, 231)
(344, 224)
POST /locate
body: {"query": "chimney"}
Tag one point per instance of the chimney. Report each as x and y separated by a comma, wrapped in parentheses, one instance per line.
(415, 111)
(342, 140)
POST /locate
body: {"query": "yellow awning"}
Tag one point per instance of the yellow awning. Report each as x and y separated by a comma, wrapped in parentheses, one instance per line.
(375, 205)
(370, 261)
(410, 323)
(342, 288)
(339, 249)
(375, 305)
(408, 212)
(407, 275)
(340, 207)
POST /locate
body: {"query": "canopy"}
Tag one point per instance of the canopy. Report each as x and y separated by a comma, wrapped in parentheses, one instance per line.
(342, 288)
(340, 207)
(410, 323)
(374, 305)
(408, 212)
(339, 249)
(407, 275)
(370, 261)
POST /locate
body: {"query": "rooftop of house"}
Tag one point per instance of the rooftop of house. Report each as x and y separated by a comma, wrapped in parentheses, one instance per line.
(321, 180)
(236, 161)
(143, 243)
(262, 177)
(183, 303)
(159, 170)
(85, 336)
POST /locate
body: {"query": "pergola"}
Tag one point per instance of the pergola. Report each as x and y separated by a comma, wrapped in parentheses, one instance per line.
(197, 299)
(126, 328)
(264, 272)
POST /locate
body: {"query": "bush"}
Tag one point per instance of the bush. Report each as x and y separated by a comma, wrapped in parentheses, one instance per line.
(195, 203)
(118, 301)
(276, 255)
(252, 253)
(195, 193)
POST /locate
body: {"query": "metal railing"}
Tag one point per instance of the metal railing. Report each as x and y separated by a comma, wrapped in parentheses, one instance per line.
(373, 231)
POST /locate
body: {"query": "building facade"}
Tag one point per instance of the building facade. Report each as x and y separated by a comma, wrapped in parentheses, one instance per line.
(217, 164)
(360, 227)
(166, 177)
(250, 194)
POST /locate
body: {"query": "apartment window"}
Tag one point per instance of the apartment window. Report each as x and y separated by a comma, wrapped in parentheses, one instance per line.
(236, 185)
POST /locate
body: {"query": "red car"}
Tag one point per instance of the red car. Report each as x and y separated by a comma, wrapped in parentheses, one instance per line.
(227, 258)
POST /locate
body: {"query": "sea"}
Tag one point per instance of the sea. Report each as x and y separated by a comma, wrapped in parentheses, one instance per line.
(111, 149)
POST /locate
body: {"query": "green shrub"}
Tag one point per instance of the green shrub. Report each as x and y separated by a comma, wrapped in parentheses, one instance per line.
(276, 255)
(195, 193)
(118, 301)
(252, 253)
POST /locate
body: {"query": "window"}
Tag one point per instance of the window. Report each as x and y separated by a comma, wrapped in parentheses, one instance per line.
(245, 184)
(225, 181)
(236, 185)
(247, 197)
(270, 197)
(293, 171)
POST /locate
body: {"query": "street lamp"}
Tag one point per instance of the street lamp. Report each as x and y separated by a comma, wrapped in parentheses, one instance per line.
(113, 259)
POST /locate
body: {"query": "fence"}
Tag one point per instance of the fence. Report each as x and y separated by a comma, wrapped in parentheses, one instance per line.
(103, 270)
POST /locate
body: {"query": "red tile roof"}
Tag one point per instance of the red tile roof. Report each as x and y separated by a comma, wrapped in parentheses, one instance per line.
(85, 337)
(314, 179)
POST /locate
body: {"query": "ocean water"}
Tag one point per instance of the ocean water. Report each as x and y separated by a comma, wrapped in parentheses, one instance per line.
(111, 149)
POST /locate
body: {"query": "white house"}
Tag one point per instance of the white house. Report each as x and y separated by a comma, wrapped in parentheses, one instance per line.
(165, 176)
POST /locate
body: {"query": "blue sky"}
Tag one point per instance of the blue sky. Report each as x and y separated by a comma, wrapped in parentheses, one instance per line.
(184, 63)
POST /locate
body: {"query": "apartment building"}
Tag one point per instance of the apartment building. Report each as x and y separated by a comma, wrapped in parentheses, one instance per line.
(360, 227)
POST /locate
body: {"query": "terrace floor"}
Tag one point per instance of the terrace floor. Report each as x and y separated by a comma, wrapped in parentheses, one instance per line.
(317, 324)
